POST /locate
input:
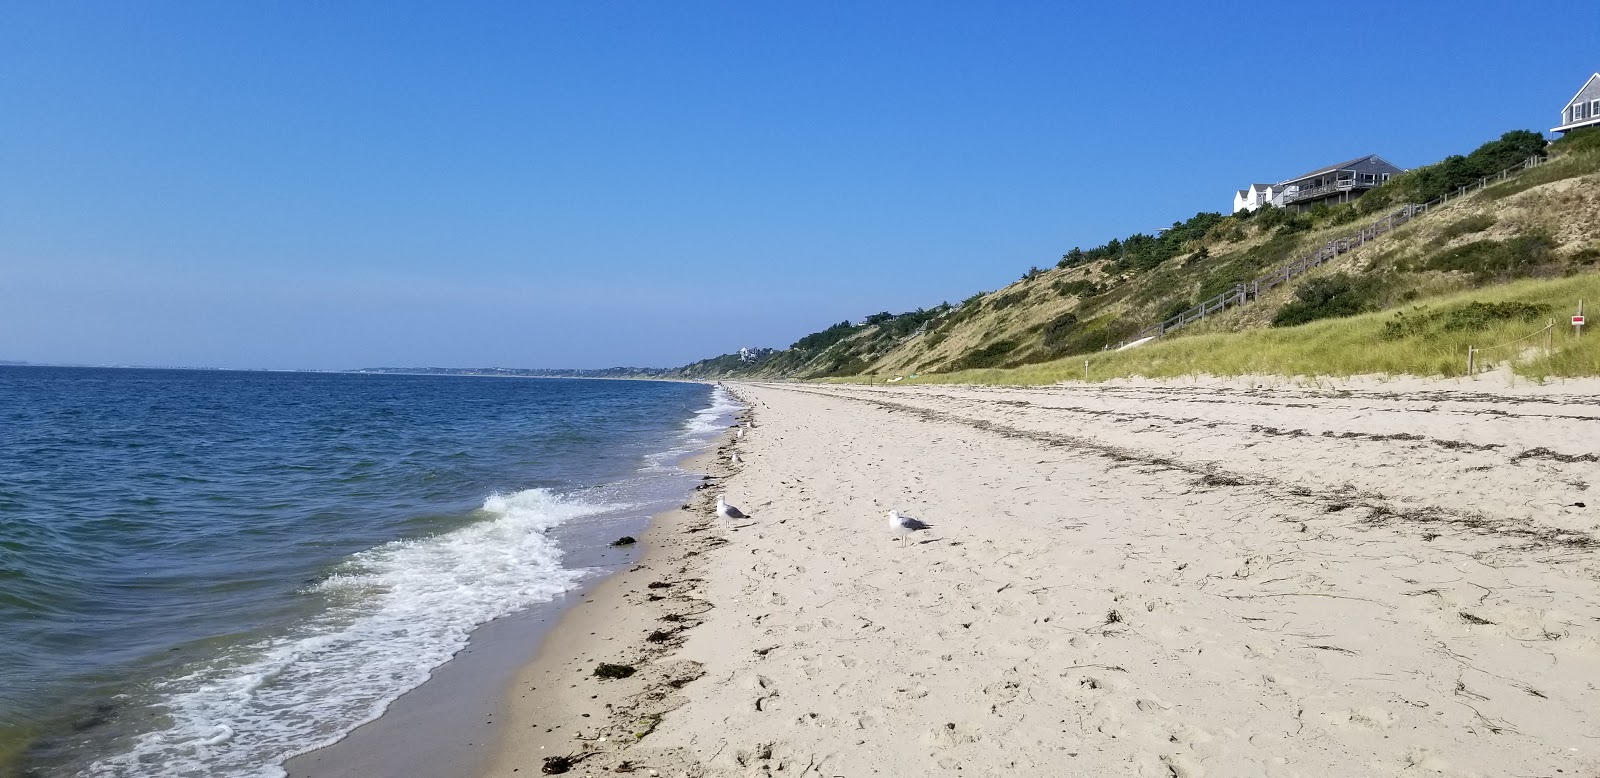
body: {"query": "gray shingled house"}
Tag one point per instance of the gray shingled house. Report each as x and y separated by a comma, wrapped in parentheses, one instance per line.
(1341, 183)
(1583, 110)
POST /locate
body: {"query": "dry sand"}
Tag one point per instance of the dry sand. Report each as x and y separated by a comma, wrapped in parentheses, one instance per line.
(1166, 580)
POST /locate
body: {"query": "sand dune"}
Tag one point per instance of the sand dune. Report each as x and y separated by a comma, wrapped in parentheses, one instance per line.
(1133, 580)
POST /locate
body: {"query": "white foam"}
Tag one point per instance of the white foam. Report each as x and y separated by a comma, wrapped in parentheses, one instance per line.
(706, 423)
(396, 612)
(712, 419)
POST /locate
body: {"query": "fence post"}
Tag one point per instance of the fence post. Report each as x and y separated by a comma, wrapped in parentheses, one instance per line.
(1469, 360)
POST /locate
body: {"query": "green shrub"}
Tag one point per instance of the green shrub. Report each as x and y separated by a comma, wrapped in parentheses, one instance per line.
(1432, 181)
(1056, 332)
(1294, 225)
(1329, 297)
(988, 356)
(1489, 260)
(1175, 307)
(1343, 214)
(1578, 141)
(1467, 226)
(817, 341)
(1470, 317)
(1079, 288)
(1007, 300)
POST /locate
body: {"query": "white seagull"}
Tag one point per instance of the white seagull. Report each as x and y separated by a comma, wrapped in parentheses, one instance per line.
(905, 525)
(726, 511)
(735, 459)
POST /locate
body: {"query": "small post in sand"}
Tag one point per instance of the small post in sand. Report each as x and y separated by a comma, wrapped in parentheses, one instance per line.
(1470, 351)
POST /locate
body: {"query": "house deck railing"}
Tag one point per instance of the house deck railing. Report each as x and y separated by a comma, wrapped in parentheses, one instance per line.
(1242, 294)
(1343, 185)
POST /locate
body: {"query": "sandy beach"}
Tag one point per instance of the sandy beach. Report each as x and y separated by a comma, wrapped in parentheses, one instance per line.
(1177, 579)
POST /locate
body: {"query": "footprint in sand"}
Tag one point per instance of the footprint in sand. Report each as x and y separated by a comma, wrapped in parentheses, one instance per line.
(1183, 766)
(766, 694)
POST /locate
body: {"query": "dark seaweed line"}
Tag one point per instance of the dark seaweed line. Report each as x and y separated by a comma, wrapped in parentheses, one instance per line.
(1382, 508)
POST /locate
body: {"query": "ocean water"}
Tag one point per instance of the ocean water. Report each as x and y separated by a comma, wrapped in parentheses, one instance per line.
(205, 572)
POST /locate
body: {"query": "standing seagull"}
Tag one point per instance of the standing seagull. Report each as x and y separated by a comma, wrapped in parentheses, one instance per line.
(905, 525)
(726, 511)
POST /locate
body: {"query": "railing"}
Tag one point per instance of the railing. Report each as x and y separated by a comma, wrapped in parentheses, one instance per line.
(1242, 294)
(1306, 193)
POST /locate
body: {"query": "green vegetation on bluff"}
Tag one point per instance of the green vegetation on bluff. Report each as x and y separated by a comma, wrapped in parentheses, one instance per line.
(1543, 223)
(1425, 339)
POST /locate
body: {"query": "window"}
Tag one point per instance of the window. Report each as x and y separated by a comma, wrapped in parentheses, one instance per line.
(1594, 107)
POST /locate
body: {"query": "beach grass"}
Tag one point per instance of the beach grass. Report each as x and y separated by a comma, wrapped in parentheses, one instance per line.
(1505, 324)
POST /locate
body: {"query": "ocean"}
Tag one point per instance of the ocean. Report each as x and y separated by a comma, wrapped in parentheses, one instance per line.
(203, 573)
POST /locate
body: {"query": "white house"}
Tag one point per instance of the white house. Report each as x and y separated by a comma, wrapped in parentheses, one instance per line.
(1254, 197)
(1583, 110)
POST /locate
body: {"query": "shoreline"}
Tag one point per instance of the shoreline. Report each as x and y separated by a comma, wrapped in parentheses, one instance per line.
(445, 726)
(639, 617)
(1164, 580)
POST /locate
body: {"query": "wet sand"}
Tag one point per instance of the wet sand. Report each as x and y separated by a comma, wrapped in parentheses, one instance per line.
(446, 726)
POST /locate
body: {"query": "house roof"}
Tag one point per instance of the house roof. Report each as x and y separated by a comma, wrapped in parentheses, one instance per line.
(1342, 166)
(1581, 88)
(1565, 126)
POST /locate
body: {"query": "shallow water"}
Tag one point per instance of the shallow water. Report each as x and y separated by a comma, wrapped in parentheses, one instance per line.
(203, 572)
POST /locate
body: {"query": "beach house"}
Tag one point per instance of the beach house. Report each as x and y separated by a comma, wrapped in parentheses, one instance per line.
(1583, 110)
(1254, 197)
(1335, 184)
(1329, 185)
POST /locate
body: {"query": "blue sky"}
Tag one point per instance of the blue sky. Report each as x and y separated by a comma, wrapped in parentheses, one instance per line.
(585, 184)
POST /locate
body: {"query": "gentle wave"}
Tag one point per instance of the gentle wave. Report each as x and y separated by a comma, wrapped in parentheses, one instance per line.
(705, 420)
(705, 424)
(395, 612)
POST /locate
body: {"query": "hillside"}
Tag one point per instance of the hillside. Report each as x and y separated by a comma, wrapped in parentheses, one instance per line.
(1542, 223)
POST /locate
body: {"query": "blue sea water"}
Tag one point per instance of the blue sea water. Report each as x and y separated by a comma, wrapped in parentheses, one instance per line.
(204, 572)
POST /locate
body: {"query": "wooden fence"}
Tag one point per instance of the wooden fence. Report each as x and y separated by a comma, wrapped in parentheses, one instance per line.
(1242, 294)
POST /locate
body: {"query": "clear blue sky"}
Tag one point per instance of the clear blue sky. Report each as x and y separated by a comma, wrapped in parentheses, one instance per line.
(585, 184)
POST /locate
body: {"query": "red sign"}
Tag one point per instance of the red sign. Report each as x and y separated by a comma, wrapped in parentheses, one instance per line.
(1577, 321)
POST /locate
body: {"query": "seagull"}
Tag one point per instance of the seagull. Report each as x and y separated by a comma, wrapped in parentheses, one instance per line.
(905, 525)
(735, 459)
(726, 511)
(740, 433)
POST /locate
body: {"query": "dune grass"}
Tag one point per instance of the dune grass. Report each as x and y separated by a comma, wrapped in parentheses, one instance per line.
(1429, 337)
